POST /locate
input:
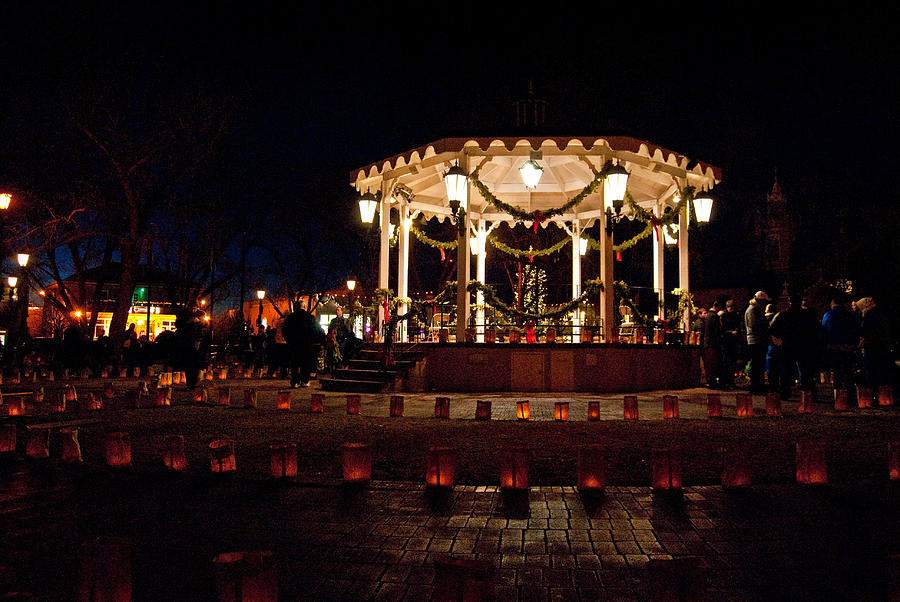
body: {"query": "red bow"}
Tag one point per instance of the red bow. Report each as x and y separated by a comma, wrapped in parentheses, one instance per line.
(443, 255)
(538, 218)
(654, 222)
(387, 314)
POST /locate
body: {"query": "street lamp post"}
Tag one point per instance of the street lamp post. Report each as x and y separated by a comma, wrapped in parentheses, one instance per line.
(22, 259)
(260, 295)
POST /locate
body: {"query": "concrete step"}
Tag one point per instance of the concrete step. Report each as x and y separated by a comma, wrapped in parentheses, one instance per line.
(351, 386)
(378, 375)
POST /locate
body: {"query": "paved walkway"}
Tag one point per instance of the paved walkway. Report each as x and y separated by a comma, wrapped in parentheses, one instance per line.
(776, 541)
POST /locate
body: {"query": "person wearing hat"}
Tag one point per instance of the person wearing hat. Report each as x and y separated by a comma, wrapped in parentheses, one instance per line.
(875, 340)
(757, 328)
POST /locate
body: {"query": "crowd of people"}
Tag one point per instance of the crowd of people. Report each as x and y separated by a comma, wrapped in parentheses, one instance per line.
(780, 349)
(297, 346)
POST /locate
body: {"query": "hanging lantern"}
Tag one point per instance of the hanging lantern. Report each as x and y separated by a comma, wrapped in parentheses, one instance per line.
(396, 406)
(283, 460)
(368, 204)
(356, 462)
(7, 438)
(666, 470)
(893, 460)
(561, 410)
(885, 395)
(514, 469)
(105, 572)
(200, 394)
(71, 450)
(248, 575)
(812, 468)
(456, 181)
(744, 402)
(221, 456)
(117, 450)
(174, 457)
(15, 405)
(283, 399)
(250, 398)
(440, 467)
(703, 204)
(224, 396)
(482, 410)
(630, 407)
(531, 171)
(317, 403)
(442, 407)
(37, 446)
(353, 404)
(773, 404)
(591, 472)
(523, 411)
(670, 406)
(714, 405)
(593, 410)
(614, 184)
(735, 468)
(863, 396)
(840, 400)
(806, 403)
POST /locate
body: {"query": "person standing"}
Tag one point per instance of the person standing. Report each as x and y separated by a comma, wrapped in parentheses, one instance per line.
(876, 344)
(841, 340)
(712, 346)
(757, 341)
(189, 334)
(797, 330)
(731, 343)
(303, 337)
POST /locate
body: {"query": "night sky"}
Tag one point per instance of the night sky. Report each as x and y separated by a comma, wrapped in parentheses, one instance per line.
(324, 88)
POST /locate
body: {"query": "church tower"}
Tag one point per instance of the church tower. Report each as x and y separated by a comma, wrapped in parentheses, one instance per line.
(775, 233)
(531, 111)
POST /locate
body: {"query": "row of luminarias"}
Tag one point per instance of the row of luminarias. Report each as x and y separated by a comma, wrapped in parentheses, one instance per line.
(159, 394)
(441, 461)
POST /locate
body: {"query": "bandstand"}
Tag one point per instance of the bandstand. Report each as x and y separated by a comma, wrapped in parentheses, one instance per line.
(569, 182)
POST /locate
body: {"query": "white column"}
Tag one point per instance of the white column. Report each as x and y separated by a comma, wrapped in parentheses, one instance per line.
(480, 261)
(576, 278)
(659, 268)
(608, 296)
(384, 253)
(462, 265)
(403, 268)
(684, 278)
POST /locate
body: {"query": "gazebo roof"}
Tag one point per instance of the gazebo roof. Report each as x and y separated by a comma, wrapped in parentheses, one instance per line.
(567, 163)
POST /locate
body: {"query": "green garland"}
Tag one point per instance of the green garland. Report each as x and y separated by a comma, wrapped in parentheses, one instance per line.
(530, 252)
(591, 288)
(537, 215)
(432, 242)
(638, 213)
